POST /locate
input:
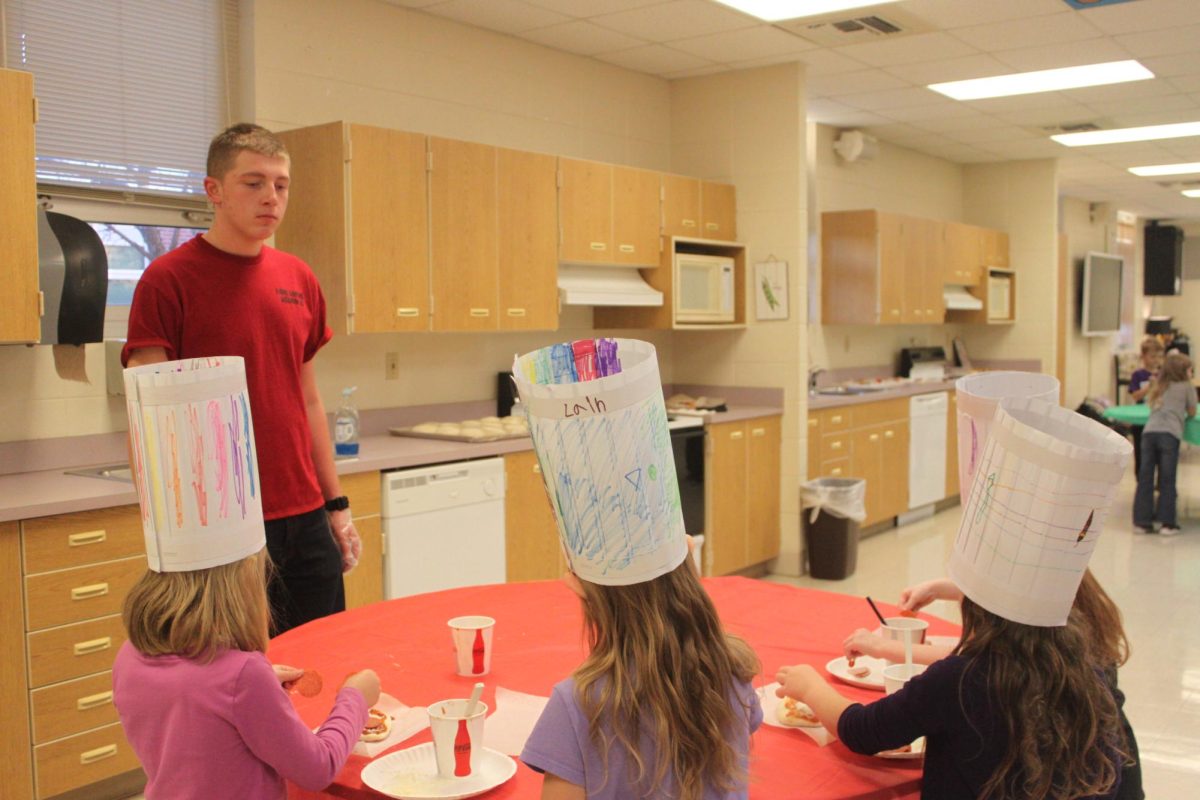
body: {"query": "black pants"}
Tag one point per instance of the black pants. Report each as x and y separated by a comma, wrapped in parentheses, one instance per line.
(1136, 430)
(307, 580)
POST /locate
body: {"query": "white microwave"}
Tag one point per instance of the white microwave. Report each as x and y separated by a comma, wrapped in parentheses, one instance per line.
(703, 288)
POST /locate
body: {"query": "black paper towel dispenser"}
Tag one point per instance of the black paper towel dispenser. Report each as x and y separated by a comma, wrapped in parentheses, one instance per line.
(73, 274)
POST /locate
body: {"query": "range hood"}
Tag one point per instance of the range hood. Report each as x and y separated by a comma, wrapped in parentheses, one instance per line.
(957, 298)
(587, 285)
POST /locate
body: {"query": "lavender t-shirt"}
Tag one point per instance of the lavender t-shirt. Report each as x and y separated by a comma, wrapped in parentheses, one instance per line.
(561, 744)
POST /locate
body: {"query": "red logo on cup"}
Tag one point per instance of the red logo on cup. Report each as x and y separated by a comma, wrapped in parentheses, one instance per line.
(477, 653)
(462, 750)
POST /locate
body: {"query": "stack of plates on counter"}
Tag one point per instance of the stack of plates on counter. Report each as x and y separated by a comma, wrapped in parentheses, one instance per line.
(485, 429)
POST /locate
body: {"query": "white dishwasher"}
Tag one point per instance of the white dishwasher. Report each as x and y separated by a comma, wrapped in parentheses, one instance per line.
(927, 448)
(443, 527)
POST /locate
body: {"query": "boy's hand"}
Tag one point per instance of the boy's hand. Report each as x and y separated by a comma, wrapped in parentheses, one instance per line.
(796, 682)
(862, 643)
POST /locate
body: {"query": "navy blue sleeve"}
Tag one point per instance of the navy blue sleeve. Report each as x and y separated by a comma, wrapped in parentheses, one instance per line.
(917, 710)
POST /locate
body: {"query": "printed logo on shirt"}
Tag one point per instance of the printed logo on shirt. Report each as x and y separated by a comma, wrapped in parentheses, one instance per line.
(290, 296)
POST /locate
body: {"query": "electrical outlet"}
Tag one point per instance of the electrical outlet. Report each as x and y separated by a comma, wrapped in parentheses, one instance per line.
(391, 366)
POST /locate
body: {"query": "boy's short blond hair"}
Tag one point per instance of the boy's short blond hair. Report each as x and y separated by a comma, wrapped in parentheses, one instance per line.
(199, 613)
(225, 146)
(1151, 345)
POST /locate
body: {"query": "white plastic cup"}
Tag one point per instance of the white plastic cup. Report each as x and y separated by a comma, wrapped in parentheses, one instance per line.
(472, 644)
(457, 738)
(896, 675)
(906, 630)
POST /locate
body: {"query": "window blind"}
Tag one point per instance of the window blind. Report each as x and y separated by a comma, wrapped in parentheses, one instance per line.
(130, 92)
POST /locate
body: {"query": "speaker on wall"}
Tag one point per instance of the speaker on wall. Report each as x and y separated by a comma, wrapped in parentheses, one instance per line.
(1163, 260)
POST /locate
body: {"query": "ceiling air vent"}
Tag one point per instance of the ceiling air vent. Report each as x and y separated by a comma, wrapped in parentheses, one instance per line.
(834, 30)
(1073, 127)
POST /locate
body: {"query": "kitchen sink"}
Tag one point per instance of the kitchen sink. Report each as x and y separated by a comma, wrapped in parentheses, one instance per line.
(108, 472)
(847, 390)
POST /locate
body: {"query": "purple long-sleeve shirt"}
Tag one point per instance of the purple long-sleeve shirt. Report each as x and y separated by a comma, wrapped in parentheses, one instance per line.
(226, 728)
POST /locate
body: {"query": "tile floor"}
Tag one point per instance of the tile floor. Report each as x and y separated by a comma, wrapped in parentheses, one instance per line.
(1155, 581)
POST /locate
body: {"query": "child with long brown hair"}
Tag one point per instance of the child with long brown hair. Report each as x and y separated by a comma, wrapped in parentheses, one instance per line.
(1172, 401)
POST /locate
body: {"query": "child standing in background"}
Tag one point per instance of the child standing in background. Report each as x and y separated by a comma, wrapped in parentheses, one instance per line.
(1172, 400)
(1139, 384)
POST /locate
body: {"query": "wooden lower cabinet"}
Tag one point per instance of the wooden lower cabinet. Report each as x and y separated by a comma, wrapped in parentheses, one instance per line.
(531, 544)
(364, 584)
(80, 760)
(741, 491)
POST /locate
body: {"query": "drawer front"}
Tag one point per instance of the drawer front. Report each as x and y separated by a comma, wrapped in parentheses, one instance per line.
(877, 413)
(88, 537)
(834, 419)
(835, 446)
(79, 760)
(72, 595)
(363, 489)
(835, 468)
(73, 651)
(72, 707)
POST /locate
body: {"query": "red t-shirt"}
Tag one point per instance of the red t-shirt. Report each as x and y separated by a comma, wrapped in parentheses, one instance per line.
(200, 301)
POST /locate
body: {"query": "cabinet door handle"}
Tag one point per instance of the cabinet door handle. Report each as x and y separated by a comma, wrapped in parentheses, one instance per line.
(516, 312)
(92, 646)
(889, 434)
(735, 435)
(92, 756)
(90, 591)
(874, 437)
(688, 223)
(408, 311)
(599, 246)
(758, 431)
(93, 700)
(929, 311)
(812, 423)
(88, 537)
(835, 419)
(895, 312)
(625, 248)
(918, 312)
(835, 471)
(711, 226)
(836, 445)
(537, 469)
(480, 312)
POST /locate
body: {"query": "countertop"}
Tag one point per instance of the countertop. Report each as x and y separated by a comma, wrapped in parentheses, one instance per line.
(39, 494)
(816, 402)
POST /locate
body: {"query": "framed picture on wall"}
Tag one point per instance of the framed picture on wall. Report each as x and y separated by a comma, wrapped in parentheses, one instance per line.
(771, 289)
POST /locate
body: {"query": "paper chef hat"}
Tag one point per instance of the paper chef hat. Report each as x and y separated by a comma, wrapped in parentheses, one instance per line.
(194, 462)
(605, 455)
(976, 397)
(1045, 480)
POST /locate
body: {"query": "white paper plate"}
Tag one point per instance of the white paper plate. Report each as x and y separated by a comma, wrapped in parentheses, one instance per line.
(411, 774)
(839, 668)
(770, 704)
(918, 751)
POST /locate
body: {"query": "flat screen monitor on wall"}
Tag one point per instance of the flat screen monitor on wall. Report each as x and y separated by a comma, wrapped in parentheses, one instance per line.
(1100, 303)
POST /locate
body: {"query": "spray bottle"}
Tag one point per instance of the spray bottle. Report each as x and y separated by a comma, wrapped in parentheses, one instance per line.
(345, 426)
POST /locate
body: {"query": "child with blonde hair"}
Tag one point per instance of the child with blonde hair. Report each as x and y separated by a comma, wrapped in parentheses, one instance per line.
(1172, 401)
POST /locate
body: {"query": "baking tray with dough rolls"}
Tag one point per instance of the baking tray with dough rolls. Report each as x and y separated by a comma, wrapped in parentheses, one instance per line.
(485, 429)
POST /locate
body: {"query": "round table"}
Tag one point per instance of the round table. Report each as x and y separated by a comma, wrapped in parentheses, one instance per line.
(1139, 414)
(539, 640)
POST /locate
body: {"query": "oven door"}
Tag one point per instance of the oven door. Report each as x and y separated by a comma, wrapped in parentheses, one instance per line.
(687, 445)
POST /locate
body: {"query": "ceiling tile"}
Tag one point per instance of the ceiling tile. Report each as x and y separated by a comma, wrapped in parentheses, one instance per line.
(1047, 29)
(963, 154)
(762, 41)
(679, 19)
(1138, 119)
(1000, 133)
(1062, 54)
(655, 59)
(1181, 39)
(855, 119)
(909, 49)
(1185, 83)
(939, 109)
(765, 62)
(890, 98)
(413, 3)
(828, 62)
(1170, 66)
(960, 14)
(972, 121)
(1145, 105)
(711, 69)
(868, 80)
(582, 37)
(1057, 114)
(505, 16)
(1032, 148)
(1021, 102)
(820, 107)
(949, 69)
(1145, 15)
(1134, 90)
(590, 8)
(897, 131)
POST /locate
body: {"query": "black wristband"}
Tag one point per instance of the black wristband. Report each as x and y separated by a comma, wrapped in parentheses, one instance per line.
(337, 503)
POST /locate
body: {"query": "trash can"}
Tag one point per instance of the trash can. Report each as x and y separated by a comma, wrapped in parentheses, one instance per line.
(833, 507)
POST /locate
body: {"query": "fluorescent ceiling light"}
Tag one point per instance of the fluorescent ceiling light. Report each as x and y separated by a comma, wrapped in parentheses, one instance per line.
(1166, 169)
(1191, 192)
(775, 10)
(1146, 133)
(1044, 80)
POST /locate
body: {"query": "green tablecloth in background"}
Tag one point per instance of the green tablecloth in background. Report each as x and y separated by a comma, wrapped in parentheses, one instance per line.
(1138, 414)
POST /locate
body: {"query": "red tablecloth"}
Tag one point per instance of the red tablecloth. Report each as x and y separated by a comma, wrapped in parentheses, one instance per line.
(539, 641)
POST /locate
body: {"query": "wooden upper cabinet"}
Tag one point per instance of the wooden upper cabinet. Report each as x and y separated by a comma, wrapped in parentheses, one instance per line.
(20, 315)
(636, 216)
(888, 300)
(994, 247)
(933, 303)
(718, 211)
(373, 264)
(681, 206)
(528, 235)
(585, 211)
(963, 264)
(464, 256)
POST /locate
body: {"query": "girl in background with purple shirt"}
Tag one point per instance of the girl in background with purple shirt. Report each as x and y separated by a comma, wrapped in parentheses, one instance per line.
(203, 708)
(663, 705)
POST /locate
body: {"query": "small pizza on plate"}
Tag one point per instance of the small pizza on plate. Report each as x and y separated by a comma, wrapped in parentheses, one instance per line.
(793, 713)
(378, 726)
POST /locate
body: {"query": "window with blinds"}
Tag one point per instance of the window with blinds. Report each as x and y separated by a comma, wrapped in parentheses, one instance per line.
(130, 92)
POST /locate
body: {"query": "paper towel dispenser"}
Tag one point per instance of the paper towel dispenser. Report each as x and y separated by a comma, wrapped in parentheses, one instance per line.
(73, 275)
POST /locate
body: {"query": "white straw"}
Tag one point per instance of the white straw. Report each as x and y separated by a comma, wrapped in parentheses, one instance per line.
(475, 693)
